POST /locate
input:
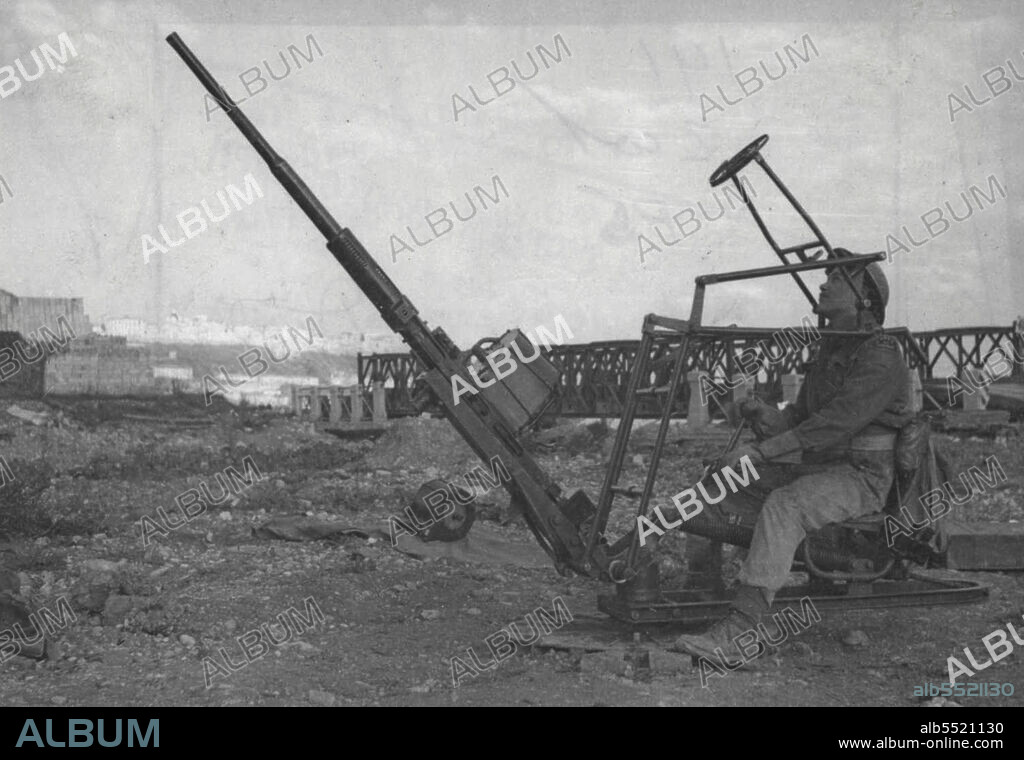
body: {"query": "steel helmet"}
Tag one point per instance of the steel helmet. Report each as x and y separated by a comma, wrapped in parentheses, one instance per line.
(877, 285)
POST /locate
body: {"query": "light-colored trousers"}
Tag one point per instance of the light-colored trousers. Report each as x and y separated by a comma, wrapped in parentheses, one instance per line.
(804, 498)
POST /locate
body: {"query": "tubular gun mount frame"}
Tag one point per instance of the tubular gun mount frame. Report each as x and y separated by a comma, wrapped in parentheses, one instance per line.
(571, 529)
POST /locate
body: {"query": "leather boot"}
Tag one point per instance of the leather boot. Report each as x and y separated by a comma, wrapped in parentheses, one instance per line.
(745, 612)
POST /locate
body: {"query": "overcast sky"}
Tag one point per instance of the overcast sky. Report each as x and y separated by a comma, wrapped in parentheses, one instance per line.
(594, 151)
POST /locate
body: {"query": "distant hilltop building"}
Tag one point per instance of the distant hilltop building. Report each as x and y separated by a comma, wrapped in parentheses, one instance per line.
(127, 327)
(381, 343)
(27, 315)
(175, 329)
(172, 370)
(51, 347)
(200, 329)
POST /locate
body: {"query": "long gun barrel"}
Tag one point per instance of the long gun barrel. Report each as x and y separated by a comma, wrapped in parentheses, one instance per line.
(374, 282)
(489, 420)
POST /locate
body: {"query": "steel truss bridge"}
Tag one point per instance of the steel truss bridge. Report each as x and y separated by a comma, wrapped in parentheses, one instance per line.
(595, 375)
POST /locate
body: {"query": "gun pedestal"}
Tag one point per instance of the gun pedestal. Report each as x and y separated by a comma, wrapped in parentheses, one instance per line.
(643, 589)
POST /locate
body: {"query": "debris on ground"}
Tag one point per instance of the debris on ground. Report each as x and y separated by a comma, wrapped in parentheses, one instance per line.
(307, 539)
(35, 418)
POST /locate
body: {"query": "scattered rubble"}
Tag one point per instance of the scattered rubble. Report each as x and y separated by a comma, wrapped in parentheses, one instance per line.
(35, 418)
(147, 615)
(855, 638)
(421, 443)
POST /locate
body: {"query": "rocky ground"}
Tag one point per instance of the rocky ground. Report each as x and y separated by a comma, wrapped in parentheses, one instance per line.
(155, 619)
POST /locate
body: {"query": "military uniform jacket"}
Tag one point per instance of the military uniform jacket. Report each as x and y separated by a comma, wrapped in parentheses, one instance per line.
(855, 396)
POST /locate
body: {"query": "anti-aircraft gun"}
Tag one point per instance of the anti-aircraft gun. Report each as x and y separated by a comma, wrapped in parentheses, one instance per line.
(571, 529)
(489, 420)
